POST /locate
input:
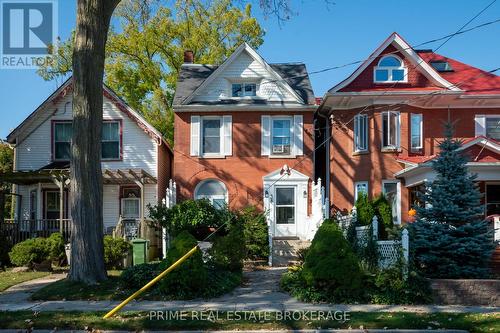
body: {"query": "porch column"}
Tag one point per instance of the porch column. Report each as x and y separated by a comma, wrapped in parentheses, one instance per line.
(39, 202)
(61, 205)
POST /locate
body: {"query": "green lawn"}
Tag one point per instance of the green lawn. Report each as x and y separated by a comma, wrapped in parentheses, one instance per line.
(474, 323)
(9, 279)
(68, 290)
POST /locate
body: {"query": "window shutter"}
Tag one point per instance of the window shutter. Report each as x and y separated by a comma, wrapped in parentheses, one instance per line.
(195, 135)
(298, 133)
(480, 121)
(266, 135)
(228, 128)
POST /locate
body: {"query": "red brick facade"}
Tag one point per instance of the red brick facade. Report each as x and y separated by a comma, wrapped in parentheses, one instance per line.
(241, 172)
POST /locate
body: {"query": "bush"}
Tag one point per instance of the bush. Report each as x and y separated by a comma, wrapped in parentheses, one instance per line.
(228, 252)
(331, 265)
(383, 210)
(115, 250)
(256, 233)
(188, 215)
(390, 287)
(30, 251)
(135, 277)
(55, 247)
(364, 209)
(189, 279)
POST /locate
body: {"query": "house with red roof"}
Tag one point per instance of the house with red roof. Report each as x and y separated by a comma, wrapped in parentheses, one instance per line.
(382, 126)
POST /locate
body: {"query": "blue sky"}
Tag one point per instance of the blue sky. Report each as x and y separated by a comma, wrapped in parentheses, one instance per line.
(320, 36)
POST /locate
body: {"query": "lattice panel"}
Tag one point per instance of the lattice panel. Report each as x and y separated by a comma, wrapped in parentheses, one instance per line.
(388, 252)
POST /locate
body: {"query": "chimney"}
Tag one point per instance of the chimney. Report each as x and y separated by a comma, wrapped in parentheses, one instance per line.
(188, 57)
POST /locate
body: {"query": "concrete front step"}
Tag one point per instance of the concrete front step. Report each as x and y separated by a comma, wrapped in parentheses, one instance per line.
(286, 250)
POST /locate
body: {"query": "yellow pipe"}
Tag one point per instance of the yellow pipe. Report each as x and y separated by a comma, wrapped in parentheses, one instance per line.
(150, 283)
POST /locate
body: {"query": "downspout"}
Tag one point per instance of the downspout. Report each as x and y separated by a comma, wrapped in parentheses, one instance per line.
(327, 163)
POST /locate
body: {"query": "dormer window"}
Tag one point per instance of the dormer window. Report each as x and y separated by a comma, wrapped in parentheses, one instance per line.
(390, 69)
(244, 90)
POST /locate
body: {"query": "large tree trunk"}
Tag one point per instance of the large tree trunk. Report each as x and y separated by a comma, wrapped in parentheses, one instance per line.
(87, 252)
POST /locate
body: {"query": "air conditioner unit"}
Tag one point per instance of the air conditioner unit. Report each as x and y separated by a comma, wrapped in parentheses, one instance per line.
(278, 149)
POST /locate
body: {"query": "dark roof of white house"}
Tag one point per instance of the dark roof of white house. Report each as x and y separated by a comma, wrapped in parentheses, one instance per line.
(191, 76)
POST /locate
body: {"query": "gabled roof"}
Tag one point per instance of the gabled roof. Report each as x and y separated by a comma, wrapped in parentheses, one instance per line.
(193, 78)
(482, 148)
(411, 55)
(65, 89)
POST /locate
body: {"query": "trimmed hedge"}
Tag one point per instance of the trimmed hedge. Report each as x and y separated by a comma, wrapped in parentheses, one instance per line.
(34, 250)
(115, 250)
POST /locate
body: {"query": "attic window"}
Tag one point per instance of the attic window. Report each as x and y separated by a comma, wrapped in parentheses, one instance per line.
(390, 69)
(244, 90)
(441, 66)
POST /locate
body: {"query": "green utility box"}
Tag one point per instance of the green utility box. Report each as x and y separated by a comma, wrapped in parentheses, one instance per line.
(139, 251)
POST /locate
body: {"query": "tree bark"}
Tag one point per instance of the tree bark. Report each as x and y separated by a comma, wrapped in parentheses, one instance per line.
(87, 251)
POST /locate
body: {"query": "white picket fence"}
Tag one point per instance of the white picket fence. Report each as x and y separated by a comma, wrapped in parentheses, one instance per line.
(389, 251)
(169, 201)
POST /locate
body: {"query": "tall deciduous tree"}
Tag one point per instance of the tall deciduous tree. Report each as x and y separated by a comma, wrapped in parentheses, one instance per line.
(145, 54)
(87, 252)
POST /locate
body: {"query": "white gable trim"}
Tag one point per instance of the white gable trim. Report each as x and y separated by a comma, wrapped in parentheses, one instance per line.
(276, 175)
(483, 141)
(409, 53)
(231, 59)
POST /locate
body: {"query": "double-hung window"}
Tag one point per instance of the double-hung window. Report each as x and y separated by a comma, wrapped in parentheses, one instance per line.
(416, 131)
(360, 188)
(281, 136)
(211, 128)
(390, 130)
(244, 90)
(63, 132)
(110, 140)
(361, 132)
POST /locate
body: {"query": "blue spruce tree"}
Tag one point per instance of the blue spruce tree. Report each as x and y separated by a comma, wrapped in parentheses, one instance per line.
(450, 237)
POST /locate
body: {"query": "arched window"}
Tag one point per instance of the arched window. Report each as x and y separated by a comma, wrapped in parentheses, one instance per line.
(390, 69)
(213, 190)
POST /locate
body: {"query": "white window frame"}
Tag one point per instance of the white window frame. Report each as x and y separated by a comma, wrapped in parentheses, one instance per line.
(358, 129)
(292, 137)
(486, 123)
(211, 198)
(243, 84)
(294, 205)
(356, 192)
(119, 140)
(138, 200)
(397, 144)
(420, 133)
(389, 71)
(221, 136)
(398, 196)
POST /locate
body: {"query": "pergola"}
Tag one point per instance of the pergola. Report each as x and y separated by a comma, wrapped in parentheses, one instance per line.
(59, 174)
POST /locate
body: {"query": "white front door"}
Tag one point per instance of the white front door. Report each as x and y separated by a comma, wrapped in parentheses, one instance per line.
(285, 211)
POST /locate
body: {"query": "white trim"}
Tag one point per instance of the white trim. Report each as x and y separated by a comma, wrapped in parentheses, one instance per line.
(232, 57)
(245, 107)
(409, 53)
(356, 133)
(221, 136)
(292, 136)
(398, 196)
(421, 132)
(390, 70)
(397, 144)
(356, 192)
(210, 198)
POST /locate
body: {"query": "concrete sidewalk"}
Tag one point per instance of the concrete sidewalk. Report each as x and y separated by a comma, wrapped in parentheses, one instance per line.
(260, 292)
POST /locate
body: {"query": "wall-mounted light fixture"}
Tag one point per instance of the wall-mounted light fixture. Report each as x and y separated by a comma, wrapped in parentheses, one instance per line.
(266, 194)
(304, 194)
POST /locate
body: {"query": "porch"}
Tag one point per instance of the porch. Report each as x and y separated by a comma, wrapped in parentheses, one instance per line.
(42, 202)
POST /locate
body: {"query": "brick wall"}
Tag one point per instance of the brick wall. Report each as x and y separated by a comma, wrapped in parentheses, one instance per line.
(466, 292)
(243, 171)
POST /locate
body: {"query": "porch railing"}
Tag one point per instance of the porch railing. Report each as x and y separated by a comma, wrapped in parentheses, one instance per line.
(17, 231)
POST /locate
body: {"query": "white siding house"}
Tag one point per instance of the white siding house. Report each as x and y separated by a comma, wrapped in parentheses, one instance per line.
(136, 167)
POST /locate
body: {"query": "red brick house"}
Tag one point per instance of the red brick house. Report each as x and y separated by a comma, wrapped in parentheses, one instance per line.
(244, 136)
(383, 124)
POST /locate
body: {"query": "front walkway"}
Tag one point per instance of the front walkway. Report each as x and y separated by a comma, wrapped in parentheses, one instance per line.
(260, 292)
